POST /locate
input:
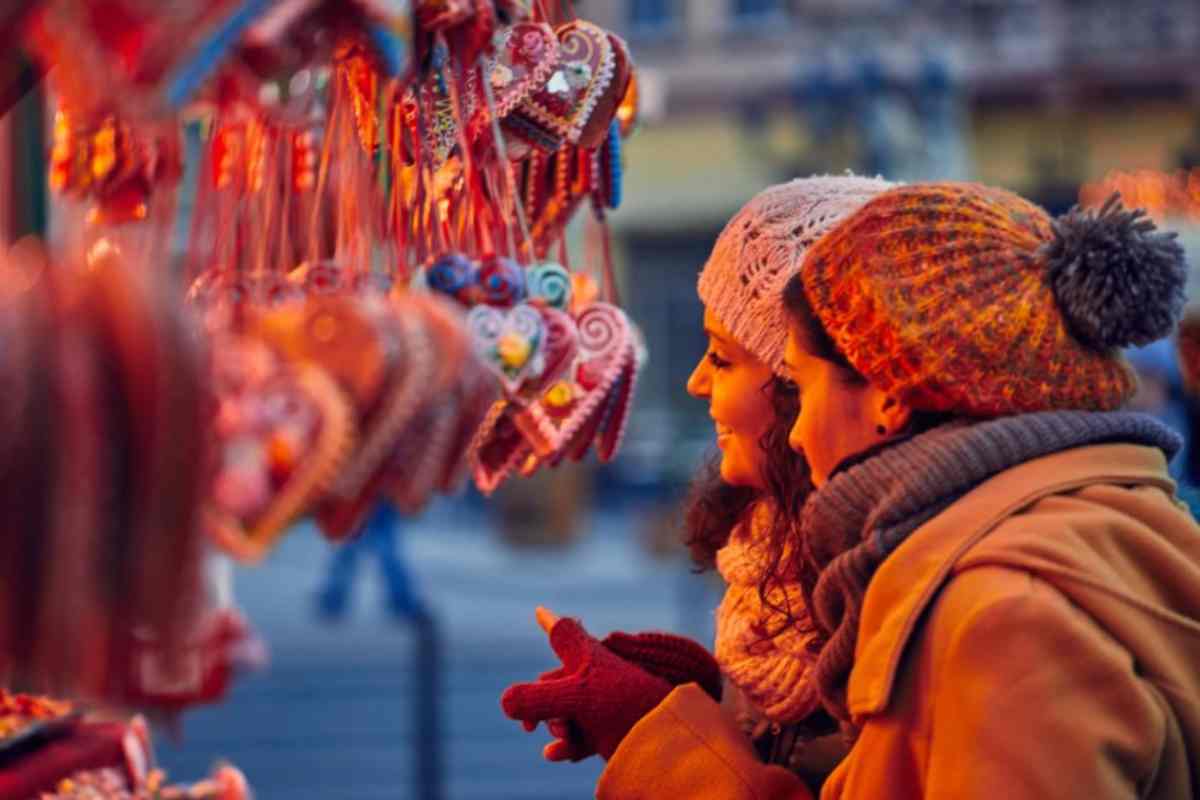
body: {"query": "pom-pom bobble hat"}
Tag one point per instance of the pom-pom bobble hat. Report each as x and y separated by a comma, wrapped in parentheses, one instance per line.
(969, 299)
(763, 246)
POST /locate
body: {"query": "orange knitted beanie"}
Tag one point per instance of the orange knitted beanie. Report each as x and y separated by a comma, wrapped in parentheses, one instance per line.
(966, 298)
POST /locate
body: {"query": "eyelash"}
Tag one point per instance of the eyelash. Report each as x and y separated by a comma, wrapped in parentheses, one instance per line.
(717, 361)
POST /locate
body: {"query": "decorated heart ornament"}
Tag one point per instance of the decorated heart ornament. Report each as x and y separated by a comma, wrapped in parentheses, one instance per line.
(283, 431)
(508, 342)
(559, 350)
(571, 406)
(407, 382)
(498, 449)
(421, 450)
(609, 99)
(477, 393)
(564, 105)
(524, 56)
(616, 415)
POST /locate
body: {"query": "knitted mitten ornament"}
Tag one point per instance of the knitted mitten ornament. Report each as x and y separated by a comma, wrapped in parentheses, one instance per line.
(591, 702)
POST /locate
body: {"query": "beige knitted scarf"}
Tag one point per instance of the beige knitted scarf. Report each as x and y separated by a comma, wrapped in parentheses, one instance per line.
(774, 674)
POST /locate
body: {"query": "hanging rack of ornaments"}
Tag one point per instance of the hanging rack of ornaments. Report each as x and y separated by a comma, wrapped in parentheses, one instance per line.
(376, 300)
(377, 242)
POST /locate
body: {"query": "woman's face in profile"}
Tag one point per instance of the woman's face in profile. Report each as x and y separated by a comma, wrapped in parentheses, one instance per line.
(736, 385)
(841, 414)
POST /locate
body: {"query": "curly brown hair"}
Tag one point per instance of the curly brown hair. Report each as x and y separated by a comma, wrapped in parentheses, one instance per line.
(714, 508)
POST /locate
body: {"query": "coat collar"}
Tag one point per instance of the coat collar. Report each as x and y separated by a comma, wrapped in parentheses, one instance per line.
(906, 583)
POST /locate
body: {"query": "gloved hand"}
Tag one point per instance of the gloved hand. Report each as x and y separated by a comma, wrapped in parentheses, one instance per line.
(591, 702)
(675, 659)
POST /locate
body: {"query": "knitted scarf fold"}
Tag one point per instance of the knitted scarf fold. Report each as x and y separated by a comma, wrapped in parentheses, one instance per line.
(862, 514)
(772, 672)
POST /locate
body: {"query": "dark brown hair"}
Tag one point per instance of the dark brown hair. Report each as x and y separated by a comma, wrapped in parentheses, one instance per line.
(714, 508)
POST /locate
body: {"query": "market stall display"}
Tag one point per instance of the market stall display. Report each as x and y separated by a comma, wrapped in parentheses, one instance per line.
(376, 300)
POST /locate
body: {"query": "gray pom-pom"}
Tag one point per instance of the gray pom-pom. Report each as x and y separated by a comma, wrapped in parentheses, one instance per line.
(1117, 280)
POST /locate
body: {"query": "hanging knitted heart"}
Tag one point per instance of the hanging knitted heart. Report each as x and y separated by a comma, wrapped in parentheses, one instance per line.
(584, 73)
(525, 55)
(509, 343)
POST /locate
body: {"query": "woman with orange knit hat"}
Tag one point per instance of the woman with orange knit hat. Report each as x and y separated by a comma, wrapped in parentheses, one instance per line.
(1003, 586)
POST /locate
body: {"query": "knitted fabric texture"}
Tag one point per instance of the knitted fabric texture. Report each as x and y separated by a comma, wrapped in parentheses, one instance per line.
(774, 673)
(939, 293)
(763, 246)
(861, 515)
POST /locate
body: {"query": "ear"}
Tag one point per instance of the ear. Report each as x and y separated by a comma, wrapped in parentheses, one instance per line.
(892, 415)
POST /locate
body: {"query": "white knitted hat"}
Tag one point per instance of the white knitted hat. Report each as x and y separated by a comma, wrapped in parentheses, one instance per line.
(763, 246)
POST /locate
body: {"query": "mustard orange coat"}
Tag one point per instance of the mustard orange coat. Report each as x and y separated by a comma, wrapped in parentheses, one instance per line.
(1040, 638)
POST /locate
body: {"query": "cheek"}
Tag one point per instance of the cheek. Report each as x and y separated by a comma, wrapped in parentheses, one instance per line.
(743, 409)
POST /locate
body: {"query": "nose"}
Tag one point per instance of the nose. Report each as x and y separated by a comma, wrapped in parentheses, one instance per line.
(699, 383)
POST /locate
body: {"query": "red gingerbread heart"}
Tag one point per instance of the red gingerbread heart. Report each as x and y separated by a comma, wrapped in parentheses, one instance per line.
(522, 433)
(283, 432)
(561, 109)
(525, 55)
(609, 100)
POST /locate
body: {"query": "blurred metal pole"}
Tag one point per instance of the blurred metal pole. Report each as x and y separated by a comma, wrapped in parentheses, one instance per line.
(427, 708)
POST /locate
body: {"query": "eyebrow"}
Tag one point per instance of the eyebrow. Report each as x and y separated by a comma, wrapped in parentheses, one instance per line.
(714, 335)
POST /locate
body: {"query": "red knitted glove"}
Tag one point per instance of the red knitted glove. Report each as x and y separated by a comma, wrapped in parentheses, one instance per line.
(591, 702)
(675, 659)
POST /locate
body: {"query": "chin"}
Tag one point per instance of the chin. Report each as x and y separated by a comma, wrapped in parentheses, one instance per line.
(736, 474)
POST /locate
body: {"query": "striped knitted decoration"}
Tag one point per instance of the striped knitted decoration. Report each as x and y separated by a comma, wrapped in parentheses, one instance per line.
(763, 245)
(966, 298)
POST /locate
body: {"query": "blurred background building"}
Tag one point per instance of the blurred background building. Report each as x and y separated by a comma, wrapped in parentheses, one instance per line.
(1040, 96)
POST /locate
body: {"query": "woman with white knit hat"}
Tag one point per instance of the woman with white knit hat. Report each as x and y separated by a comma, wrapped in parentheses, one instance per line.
(739, 517)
